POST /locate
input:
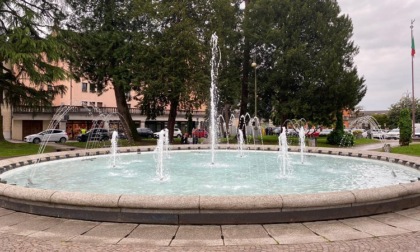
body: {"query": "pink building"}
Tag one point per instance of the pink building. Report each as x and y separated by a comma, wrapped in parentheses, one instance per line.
(87, 110)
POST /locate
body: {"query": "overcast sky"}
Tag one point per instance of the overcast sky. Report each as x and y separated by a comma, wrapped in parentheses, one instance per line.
(382, 32)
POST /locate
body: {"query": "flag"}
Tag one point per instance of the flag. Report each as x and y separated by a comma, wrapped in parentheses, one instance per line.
(413, 47)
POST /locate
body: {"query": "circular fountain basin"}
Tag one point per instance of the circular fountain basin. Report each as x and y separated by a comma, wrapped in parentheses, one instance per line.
(234, 190)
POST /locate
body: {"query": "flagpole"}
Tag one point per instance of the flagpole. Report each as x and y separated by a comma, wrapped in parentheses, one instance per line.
(413, 105)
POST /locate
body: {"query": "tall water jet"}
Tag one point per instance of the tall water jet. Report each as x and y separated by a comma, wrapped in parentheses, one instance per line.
(214, 63)
(114, 148)
(240, 142)
(284, 156)
(302, 142)
(159, 155)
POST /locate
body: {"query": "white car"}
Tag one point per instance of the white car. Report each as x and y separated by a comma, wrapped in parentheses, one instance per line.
(49, 135)
(393, 134)
(378, 134)
(177, 133)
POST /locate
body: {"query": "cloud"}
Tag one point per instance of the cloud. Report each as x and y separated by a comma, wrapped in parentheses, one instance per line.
(382, 32)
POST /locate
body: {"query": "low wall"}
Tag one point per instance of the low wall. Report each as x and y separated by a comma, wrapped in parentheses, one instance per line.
(210, 209)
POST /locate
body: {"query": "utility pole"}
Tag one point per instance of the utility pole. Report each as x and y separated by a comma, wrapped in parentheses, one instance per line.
(413, 102)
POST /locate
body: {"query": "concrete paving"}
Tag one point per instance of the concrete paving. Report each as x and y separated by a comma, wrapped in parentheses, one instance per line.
(397, 231)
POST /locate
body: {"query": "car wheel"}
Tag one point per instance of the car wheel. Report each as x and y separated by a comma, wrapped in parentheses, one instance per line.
(178, 136)
(36, 141)
(105, 138)
(62, 140)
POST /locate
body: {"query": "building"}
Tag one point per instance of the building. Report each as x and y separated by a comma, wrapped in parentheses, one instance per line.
(81, 107)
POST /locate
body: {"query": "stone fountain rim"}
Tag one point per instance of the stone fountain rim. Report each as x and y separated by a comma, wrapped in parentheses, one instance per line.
(198, 209)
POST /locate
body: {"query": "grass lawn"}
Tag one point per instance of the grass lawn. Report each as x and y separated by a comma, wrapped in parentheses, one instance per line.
(413, 149)
(8, 149)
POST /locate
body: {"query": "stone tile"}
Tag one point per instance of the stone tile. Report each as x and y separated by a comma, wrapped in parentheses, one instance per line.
(153, 235)
(198, 236)
(95, 239)
(15, 218)
(246, 235)
(111, 230)
(373, 227)
(294, 233)
(31, 226)
(72, 227)
(412, 213)
(398, 220)
(4, 211)
(335, 230)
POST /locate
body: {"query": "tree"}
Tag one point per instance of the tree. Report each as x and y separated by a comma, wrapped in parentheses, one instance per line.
(306, 57)
(28, 53)
(382, 120)
(104, 37)
(176, 70)
(394, 111)
(405, 127)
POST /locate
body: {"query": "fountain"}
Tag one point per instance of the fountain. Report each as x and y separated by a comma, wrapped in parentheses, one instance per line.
(331, 184)
(114, 148)
(214, 63)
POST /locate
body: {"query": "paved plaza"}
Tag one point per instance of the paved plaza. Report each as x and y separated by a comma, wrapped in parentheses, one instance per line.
(397, 231)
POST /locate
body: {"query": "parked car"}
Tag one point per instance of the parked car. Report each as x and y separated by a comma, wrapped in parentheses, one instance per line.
(393, 134)
(200, 133)
(145, 132)
(49, 135)
(378, 133)
(325, 132)
(177, 133)
(95, 134)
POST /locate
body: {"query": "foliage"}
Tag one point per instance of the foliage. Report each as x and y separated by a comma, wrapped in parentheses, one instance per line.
(382, 120)
(335, 137)
(395, 110)
(28, 52)
(105, 39)
(307, 59)
(405, 127)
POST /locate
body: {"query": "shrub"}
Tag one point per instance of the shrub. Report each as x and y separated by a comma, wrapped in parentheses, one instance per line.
(405, 127)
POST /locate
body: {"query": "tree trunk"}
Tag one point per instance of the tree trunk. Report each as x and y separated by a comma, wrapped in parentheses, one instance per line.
(172, 118)
(2, 139)
(245, 75)
(124, 114)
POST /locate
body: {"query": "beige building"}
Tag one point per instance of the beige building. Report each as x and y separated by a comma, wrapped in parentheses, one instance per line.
(81, 107)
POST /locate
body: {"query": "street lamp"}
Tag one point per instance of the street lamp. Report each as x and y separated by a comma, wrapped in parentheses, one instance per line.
(254, 65)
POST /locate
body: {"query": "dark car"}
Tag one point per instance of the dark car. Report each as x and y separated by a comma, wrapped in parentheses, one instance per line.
(145, 132)
(97, 134)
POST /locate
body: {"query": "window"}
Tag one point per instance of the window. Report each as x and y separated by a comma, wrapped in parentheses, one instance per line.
(99, 104)
(84, 103)
(84, 87)
(92, 88)
(92, 104)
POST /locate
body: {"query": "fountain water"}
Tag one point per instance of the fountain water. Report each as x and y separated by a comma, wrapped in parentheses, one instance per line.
(214, 63)
(114, 148)
(284, 155)
(240, 142)
(160, 155)
(302, 143)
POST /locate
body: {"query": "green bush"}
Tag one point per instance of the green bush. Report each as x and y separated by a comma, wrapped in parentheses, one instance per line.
(335, 137)
(405, 127)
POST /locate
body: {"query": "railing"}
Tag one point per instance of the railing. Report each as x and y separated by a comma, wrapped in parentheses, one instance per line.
(83, 109)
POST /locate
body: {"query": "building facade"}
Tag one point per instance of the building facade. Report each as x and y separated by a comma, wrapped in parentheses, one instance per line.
(84, 108)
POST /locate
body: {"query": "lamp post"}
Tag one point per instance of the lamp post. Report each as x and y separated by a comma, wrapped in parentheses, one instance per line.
(254, 65)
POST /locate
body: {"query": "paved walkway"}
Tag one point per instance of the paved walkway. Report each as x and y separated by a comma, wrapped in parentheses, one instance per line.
(398, 231)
